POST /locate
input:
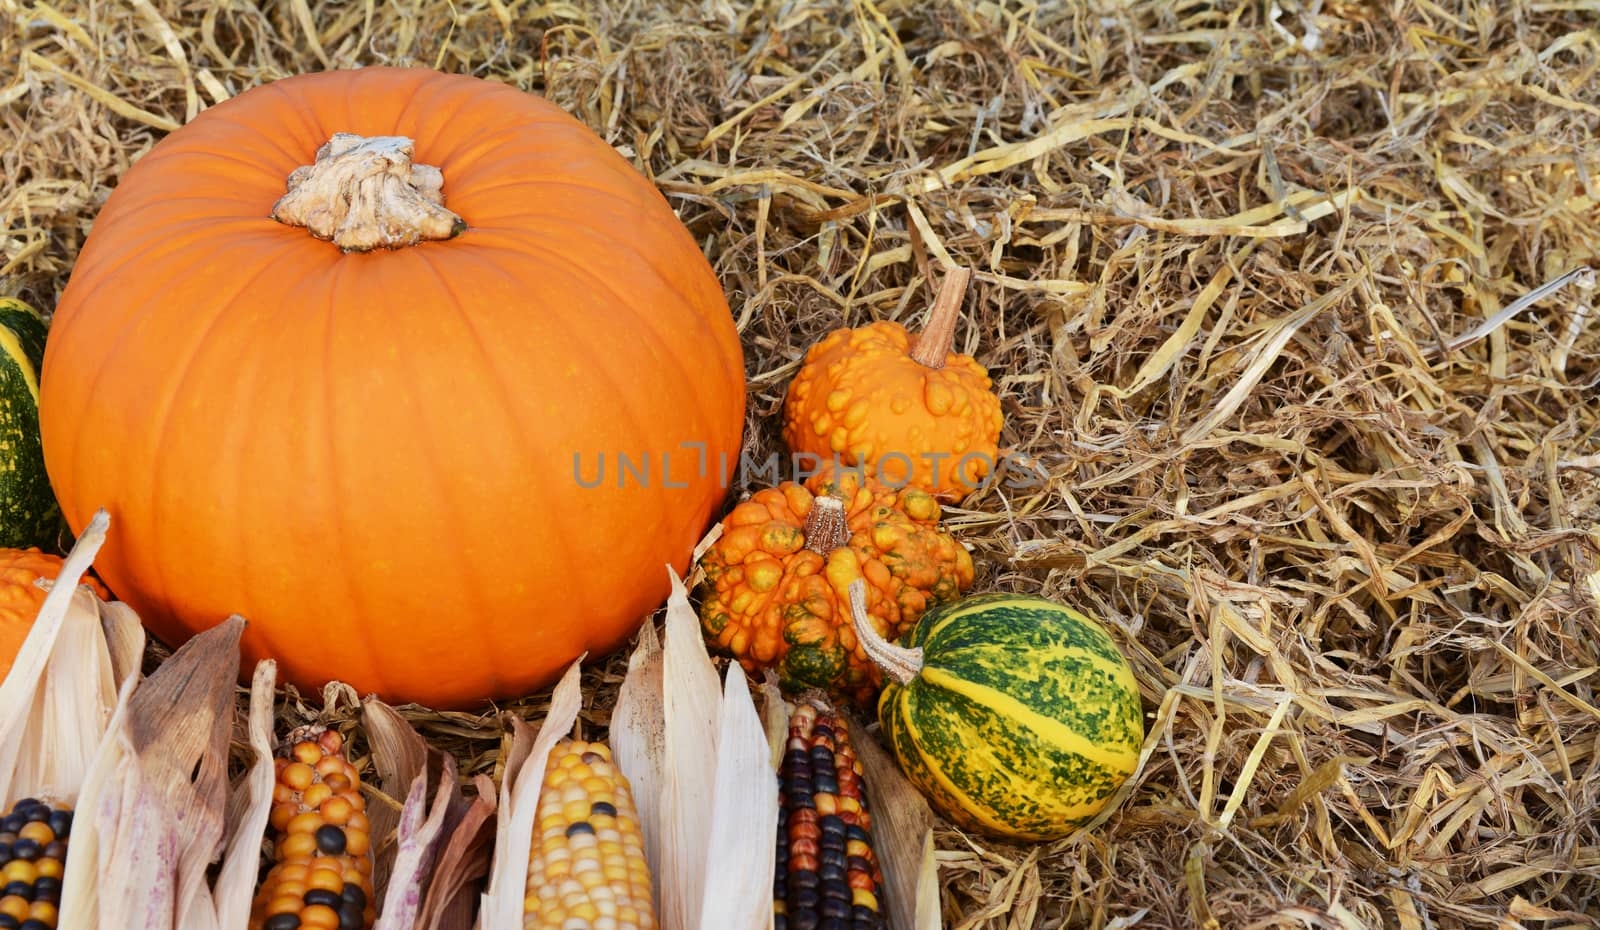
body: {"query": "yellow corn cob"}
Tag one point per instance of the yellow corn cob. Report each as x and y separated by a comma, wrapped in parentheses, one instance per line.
(587, 869)
(827, 874)
(33, 850)
(321, 878)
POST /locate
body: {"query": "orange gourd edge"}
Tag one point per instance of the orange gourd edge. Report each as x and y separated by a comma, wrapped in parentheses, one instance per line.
(910, 409)
(20, 598)
(775, 592)
(396, 321)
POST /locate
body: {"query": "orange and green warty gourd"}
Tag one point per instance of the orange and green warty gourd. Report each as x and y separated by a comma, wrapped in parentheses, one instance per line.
(909, 408)
(20, 598)
(775, 593)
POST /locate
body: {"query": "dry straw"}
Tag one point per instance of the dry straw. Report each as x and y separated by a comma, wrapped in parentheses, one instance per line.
(1244, 274)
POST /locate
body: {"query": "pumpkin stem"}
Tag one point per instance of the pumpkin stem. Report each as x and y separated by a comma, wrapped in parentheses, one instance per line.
(827, 527)
(364, 193)
(937, 337)
(897, 662)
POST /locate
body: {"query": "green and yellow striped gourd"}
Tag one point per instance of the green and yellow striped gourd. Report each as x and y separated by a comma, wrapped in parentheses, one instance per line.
(28, 513)
(1014, 715)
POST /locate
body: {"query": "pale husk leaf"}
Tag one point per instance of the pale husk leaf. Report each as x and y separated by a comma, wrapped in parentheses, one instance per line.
(147, 829)
(519, 802)
(421, 826)
(452, 900)
(744, 818)
(775, 717)
(59, 696)
(638, 743)
(693, 704)
(249, 807)
(902, 836)
(398, 755)
(404, 761)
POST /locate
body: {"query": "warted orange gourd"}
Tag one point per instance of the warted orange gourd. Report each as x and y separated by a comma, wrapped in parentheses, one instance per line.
(21, 598)
(776, 584)
(332, 357)
(907, 408)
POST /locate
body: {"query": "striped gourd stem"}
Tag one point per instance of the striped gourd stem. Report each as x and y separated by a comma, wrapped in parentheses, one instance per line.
(899, 662)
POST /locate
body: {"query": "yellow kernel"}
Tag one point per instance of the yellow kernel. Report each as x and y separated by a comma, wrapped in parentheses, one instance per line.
(284, 904)
(38, 832)
(309, 753)
(298, 846)
(325, 879)
(297, 775)
(49, 868)
(356, 842)
(20, 870)
(319, 917)
(305, 823)
(44, 912)
(336, 811)
(14, 906)
(316, 794)
(292, 872)
(280, 816)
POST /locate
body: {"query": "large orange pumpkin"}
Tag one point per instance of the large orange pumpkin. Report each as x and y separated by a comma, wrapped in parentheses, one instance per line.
(396, 453)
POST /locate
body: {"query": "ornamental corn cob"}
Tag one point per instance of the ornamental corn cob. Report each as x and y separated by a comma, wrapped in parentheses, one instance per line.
(586, 870)
(33, 851)
(827, 875)
(321, 878)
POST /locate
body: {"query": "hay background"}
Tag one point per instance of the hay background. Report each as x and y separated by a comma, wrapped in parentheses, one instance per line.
(1345, 549)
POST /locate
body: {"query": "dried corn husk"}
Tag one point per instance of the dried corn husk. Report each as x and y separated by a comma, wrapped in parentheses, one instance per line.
(81, 658)
(702, 753)
(249, 806)
(902, 836)
(696, 755)
(151, 810)
(519, 801)
(405, 762)
(463, 865)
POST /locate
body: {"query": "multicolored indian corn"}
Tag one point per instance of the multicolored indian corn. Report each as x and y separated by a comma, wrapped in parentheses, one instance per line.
(321, 878)
(827, 876)
(33, 852)
(587, 869)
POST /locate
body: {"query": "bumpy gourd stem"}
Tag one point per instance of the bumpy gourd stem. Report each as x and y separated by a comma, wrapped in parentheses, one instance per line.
(826, 526)
(897, 662)
(364, 193)
(934, 343)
